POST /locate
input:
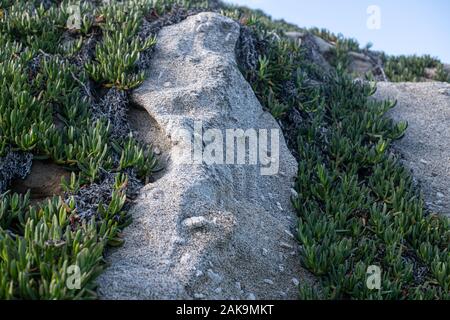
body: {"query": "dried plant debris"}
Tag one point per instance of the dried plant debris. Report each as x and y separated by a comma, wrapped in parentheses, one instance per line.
(14, 165)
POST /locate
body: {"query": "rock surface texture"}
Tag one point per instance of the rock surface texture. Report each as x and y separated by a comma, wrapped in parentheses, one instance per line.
(207, 231)
(425, 149)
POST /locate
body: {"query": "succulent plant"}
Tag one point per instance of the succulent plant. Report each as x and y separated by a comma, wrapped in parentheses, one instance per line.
(357, 205)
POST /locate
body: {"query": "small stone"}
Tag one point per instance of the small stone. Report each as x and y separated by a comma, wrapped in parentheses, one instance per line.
(156, 151)
(286, 245)
(444, 92)
(289, 234)
(268, 281)
(251, 296)
(440, 195)
(178, 240)
(423, 161)
(199, 273)
(264, 251)
(215, 277)
(295, 282)
(281, 268)
(294, 193)
(279, 206)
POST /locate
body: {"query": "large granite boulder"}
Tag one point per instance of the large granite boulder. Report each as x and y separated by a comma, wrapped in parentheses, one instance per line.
(208, 229)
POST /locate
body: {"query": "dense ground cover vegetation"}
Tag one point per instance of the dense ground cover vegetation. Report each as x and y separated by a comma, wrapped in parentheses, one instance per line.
(357, 206)
(404, 68)
(414, 68)
(51, 107)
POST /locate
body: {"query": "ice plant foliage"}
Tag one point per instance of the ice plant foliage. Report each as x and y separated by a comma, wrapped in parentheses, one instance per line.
(50, 82)
(357, 206)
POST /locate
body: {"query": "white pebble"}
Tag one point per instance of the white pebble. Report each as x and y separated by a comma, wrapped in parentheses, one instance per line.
(286, 245)
(268, 281)
(295, 281)
(195, 222)
(185, 258)
(179, 240)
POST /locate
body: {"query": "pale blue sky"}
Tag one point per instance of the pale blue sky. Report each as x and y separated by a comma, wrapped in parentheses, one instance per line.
(407, 26)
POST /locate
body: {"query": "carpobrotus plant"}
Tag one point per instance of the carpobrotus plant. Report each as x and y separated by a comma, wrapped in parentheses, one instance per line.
(63, 97)
(53, 80)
